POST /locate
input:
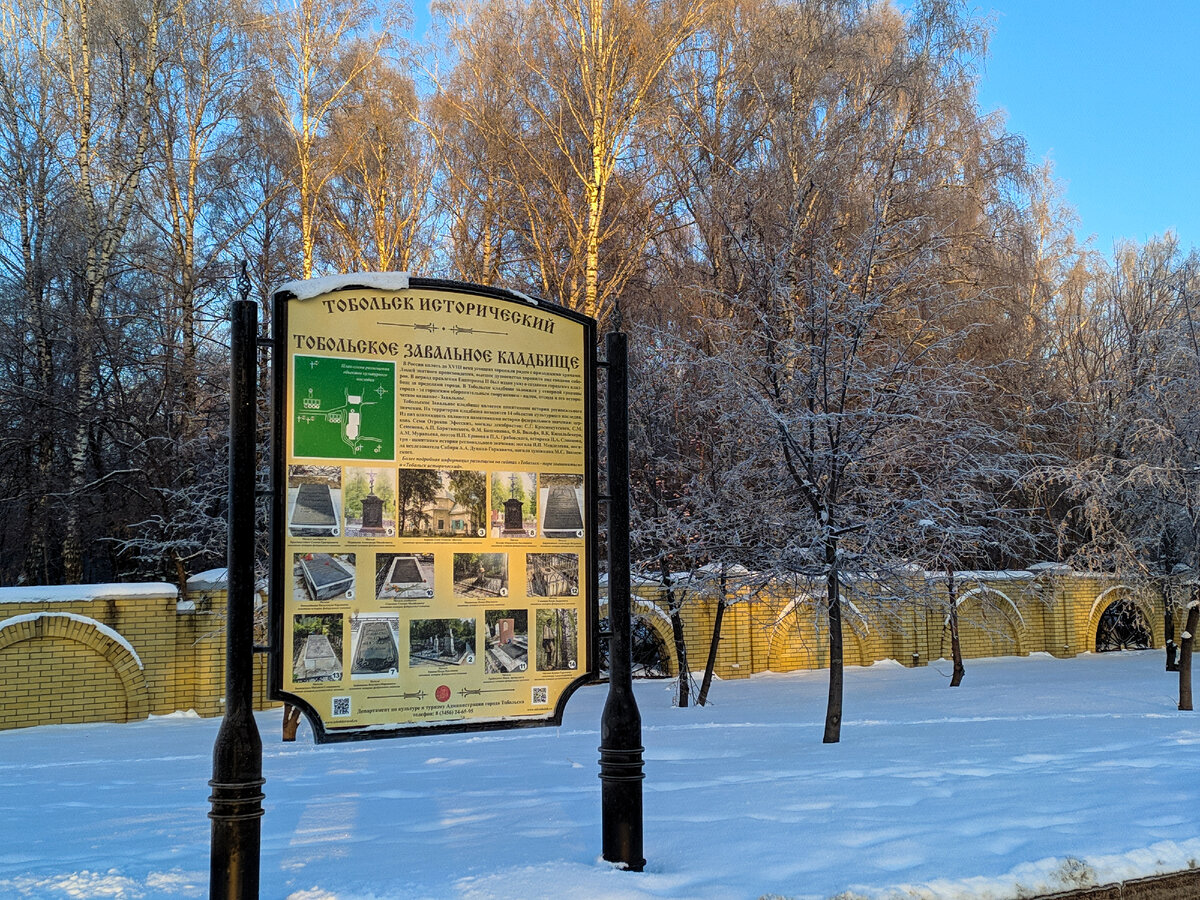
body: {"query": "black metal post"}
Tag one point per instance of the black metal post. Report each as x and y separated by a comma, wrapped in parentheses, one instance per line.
(621, 771)
(237, 755)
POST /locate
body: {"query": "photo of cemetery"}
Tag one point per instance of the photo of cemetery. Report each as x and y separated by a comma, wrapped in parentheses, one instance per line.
(375, 646)
(557, 632)
(561, 499)
(506, 641)
(403, 576)
(370, 502)
(552, 574)
(481, 574)
(514, 504)
(316, 648)
(433, 503)
(323, 576)
(441, 642)
(314, 495)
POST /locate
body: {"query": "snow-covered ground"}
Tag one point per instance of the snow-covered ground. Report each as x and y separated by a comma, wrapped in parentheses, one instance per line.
(1035, 775)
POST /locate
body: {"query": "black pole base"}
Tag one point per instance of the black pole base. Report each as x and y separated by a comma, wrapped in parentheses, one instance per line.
(236, 838)
(621, 776)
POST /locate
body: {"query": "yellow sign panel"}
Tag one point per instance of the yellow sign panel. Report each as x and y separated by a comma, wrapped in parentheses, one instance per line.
(437, 561)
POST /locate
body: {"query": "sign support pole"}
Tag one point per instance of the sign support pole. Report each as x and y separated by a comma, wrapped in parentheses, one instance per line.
(621, 768)
(237, 754)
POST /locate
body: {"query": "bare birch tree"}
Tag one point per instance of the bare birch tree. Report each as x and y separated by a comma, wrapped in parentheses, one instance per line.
(586, 80)
(315, 55)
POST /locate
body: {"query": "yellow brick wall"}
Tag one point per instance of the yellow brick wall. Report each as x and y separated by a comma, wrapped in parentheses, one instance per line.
(54, 668)
(1055, 612)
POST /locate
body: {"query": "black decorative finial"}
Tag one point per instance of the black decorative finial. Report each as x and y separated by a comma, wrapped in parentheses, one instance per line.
(243, 282)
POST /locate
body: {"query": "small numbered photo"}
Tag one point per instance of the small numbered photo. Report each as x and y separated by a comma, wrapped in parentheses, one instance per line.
(557, 634)
(552, 574)
(403, 576)
(506, 641)
(441, 503)
(441, 643)
(374, 646)
(370, 497)
(316, 648)
(480, 574)
(323, 576)
(314, 498)
(514, 504)
(561, 498)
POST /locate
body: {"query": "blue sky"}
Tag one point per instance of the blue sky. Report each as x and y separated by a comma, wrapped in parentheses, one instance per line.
(1109, 90)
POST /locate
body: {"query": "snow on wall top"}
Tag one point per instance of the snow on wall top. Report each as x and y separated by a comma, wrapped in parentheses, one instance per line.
(209, 580)
(75, 593)
(985, 575)
(307, 289)
(1052, 567)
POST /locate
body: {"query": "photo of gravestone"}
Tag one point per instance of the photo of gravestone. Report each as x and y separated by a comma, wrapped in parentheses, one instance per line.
(506, 641)
(441, 503)
(561, 499)
(481, 574)
(323, 576)
(557, 634)
(316, 648)
(514, 504)
(403, 576)
(552, 574)
(370, 502)
(441, 643)
(374, 646)
(314, 496)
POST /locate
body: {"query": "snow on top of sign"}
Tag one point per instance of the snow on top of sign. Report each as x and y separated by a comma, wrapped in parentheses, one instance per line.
(68, 593)
(307, 289)
(99, 626)
(530, 300)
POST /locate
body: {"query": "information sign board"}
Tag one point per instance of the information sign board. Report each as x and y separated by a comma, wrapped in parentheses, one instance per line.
(433, 559)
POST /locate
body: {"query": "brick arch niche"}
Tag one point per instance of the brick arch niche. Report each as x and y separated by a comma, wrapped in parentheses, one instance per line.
(989, 624)
(59, 668)
(658, 621)
(1134, 602)
(799, 637)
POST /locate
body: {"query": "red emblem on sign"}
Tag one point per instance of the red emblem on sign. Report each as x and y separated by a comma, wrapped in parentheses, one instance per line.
(442, 693)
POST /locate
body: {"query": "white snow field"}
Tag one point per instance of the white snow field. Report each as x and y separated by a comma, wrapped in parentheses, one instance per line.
(1036, 775)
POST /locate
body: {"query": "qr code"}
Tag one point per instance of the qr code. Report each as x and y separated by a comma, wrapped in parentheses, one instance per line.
(541, 695)
(341, 706)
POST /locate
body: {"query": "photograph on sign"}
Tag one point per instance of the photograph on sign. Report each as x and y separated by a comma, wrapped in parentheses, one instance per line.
(562, 502)
(436, 542)
(370, 502)
(403, 576)
(317, 648)
(552, 574)
(441, 503)
(507, 639)
(514, 504)
(314, 495)
(323, 576)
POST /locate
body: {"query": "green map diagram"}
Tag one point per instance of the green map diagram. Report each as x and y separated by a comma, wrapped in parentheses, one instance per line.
(344, 408)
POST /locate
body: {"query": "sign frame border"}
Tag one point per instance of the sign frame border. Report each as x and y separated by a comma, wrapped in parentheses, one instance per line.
(280, 300)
